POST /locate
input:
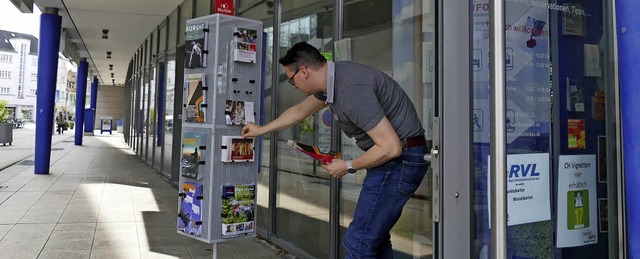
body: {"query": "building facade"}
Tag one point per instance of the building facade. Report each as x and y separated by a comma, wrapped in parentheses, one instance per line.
(19, 73)
(565, 188)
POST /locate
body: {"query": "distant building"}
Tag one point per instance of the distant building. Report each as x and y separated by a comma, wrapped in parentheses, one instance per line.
(19, 75)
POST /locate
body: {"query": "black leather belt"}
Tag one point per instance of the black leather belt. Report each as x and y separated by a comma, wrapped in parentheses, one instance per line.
(415, 141)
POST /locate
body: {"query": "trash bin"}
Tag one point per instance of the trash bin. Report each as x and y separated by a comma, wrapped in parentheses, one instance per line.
(105, 124)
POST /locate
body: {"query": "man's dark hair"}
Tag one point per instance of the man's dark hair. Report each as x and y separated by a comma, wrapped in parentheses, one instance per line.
(303, 54)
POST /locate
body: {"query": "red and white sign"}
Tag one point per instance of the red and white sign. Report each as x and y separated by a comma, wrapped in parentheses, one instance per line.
(223, 6)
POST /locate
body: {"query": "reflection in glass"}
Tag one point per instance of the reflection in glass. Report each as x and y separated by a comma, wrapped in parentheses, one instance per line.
(141, 116)
(549, 104)
(265, 114)
(150, 116)
(403, 34)
(303, 187)
(168, 115)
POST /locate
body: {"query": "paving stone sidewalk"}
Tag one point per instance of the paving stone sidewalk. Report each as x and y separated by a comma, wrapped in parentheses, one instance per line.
(97, 202)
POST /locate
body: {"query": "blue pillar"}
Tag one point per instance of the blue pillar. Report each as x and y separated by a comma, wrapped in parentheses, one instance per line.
(628, 30)
(94, 102)
(50, 25)
(94, 93)
(160, 103)
(81, 95)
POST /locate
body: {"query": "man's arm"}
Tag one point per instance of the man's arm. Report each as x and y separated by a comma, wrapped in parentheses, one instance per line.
(387, 146)
(288, 118)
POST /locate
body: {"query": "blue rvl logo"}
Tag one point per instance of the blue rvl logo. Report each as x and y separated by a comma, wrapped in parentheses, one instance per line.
(523, 170)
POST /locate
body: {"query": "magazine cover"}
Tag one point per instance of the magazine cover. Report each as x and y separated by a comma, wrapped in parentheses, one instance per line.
(245, 45)
(196, 46)
(190, 214)
(238, 210)
(192, 155)
(322, 155)
(572, 21)
(598, 106)
(195, 98)
(577, 134)
(237, 149)
(239, 112)
(575, 95)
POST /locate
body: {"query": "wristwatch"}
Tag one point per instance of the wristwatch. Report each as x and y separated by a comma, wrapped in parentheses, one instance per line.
(350, 168)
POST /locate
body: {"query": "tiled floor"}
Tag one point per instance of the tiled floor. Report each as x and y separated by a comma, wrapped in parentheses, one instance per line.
(99, 202)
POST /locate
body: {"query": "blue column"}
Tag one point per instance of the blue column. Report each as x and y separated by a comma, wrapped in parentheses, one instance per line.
(94, 93)
(160, 103)
(50, 23)
(94, 102)
(81, 95)
(628, 30)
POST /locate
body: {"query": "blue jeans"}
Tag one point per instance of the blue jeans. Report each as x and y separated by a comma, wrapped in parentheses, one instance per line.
(385, 191)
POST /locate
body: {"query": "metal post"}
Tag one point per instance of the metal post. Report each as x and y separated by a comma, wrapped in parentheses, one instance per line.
(275, 102)
(498, 134)
(628, 35)
(50, 24)
(334, 185)
(81, 95)
(215, 250)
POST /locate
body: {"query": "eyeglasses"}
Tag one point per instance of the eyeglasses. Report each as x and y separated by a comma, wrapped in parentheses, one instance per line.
(294, 75)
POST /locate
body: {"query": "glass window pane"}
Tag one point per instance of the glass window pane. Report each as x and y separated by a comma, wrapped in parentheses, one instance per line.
(404, 38)
(168, 114)
(303, 187)
(263, 177)
(163, 39)
(203, 8)
(554, 117)
(186, 13)
(172, 25)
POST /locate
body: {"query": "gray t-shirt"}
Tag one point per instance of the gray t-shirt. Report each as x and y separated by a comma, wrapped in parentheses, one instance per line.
(363, 96)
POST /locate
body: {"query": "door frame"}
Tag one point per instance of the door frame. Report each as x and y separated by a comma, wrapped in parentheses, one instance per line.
(453, 136)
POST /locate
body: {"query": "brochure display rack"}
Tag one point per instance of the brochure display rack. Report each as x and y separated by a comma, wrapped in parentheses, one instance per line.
(218, 172)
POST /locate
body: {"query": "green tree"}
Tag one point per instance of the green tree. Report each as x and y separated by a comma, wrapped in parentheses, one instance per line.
(4, 111)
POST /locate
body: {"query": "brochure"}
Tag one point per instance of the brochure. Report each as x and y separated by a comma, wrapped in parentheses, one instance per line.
(192, 155)
(322, 155)
(196, 45)
(245, 45)
(190, 213)
(238, 209)
(239, 112)
(237, 149)
(195, 98)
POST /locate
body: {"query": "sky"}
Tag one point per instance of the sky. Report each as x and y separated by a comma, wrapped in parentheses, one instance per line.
(11, 19)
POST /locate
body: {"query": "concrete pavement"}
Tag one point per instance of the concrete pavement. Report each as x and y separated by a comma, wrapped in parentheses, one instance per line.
(97, 202)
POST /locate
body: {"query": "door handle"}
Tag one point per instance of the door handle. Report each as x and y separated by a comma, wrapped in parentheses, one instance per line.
(434, 154)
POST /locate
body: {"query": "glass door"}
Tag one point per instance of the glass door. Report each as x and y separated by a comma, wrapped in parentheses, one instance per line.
(404, 36)
(559, 166)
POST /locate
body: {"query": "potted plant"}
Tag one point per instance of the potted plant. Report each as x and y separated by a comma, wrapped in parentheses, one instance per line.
(6, 128)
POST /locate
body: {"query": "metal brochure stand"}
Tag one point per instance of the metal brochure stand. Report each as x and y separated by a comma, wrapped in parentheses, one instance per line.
(218, 169)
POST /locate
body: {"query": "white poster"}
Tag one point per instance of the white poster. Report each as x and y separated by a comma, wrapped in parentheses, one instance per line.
(527, 188)
(577, 209)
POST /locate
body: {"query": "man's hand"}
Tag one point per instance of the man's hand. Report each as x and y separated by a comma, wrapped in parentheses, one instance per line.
(337, 168)
(251, 130)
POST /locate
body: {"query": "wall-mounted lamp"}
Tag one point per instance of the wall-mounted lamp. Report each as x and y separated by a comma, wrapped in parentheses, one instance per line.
(108, 54)
(111, 75)
(105, 34)
(110, 66)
